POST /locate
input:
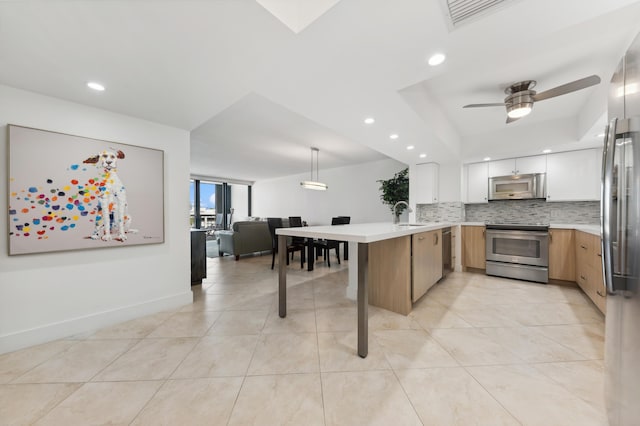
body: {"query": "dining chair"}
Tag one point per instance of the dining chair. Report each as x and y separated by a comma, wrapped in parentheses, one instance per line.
(296, 222)
(327, 245)
(275, 223)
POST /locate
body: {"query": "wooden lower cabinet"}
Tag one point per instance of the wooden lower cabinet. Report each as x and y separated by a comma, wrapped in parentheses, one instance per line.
(589, 268)
(562, 254)
(473, 247)
(426, 265)
(389, 274)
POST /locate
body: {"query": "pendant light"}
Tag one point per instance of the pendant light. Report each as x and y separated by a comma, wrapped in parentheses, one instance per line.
(314, 184)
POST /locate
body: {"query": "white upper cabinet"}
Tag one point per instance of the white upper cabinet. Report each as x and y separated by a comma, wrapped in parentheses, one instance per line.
(426, 183)
(477, 183)
(574, 176)
(518, 166)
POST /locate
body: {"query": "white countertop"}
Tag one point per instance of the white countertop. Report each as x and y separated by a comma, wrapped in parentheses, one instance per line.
(361, 232)
(591, 229)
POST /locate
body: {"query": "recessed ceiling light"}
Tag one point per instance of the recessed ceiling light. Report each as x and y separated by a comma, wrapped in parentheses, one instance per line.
(546, 151)
(95, 86)
(436, 59)
(410, 147)
(393, 136)
(486, 159)
(423, 155)
(369, 120)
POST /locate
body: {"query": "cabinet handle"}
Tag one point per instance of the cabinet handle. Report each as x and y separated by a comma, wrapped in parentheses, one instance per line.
(420, 238)
(435, 243)
(582, 278)
(600, 294)
(550, 236)
(599, 254)
(584, 247)
(483, 233)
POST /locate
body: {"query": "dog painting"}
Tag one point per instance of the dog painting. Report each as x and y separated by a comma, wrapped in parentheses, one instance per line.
(71, 192)
(111, 193)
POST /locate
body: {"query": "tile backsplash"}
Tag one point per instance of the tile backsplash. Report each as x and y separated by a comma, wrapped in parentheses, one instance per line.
(534, 211)
(440, 212)
(521, 211)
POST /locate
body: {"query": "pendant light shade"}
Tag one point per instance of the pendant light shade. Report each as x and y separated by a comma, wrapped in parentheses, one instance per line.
(314, 184)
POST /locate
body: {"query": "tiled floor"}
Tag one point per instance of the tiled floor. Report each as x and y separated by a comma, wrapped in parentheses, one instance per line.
(476, 350)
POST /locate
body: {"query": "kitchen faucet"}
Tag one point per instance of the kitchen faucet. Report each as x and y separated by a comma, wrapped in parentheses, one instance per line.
(396, 218)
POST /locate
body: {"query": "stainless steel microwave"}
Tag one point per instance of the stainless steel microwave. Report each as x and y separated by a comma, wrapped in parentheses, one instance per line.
(518, 187)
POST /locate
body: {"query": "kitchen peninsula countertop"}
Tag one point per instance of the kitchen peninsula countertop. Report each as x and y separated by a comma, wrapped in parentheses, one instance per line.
(362, 232)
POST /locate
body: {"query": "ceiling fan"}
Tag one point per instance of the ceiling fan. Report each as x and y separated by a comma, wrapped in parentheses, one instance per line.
(521, 96)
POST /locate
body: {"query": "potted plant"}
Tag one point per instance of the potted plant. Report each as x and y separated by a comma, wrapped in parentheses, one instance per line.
(394, 190)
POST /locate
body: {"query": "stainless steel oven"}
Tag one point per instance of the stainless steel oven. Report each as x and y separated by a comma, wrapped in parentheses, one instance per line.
(518, 251)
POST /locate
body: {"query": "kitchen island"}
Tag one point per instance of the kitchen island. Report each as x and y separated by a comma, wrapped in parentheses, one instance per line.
(386, 238)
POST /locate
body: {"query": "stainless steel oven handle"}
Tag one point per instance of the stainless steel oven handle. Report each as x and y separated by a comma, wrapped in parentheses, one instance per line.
(607, 183)
(517, 232)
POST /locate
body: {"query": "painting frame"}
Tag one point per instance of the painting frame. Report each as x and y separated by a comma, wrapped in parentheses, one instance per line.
(67, 192)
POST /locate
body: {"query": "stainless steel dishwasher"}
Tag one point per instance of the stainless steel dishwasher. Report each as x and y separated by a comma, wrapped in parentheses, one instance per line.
(446, 251)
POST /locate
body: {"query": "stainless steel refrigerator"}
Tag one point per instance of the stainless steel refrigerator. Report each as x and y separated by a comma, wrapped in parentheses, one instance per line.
(621, 242)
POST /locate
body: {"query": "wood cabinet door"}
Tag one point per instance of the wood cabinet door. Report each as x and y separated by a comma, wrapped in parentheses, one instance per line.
(473, 247)
(562, 254)
(426, 262)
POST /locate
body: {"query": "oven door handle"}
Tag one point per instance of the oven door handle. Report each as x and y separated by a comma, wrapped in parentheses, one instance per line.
(517, 232)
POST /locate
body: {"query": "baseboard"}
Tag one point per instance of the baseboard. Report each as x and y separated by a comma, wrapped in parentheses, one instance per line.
(73, 326)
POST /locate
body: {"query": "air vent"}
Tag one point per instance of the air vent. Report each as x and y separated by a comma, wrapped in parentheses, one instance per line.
(462, 11)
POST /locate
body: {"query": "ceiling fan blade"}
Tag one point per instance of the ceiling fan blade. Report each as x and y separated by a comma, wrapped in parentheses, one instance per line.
(483, 105)
(583, 83)
(511, 120)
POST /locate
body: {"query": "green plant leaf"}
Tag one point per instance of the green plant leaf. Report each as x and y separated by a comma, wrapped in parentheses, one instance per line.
(395, 189)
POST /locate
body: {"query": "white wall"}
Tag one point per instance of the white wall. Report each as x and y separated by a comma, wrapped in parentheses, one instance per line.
(49, 296)
(353, 191)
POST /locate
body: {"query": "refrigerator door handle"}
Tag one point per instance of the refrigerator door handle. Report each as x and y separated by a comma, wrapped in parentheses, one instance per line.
(607, 185)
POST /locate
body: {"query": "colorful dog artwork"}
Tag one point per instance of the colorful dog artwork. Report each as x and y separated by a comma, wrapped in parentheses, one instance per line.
(112, 209)
(54, 205)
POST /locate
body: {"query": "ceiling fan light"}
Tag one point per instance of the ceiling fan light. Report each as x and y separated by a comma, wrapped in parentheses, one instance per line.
(519, 110)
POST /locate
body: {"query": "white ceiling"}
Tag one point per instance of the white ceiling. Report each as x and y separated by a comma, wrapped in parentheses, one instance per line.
(256, 94)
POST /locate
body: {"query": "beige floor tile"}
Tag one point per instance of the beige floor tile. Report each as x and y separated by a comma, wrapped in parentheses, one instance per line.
(191, 402)
(150, 359)
(285, 353)
(79, 363)
(294, 322)
(584, 379)
(434, 316)
(134, 329)
(339, 352)
(531, 345)
(485, 316)
(218, 356)
(471, 346)
(15, 364)
(451, 396)
(366, 398)
(586, 339)
(289, 399)
(239, 322)
(382, 319)
(535, 399)
(24, 404)
(330, 295)
(337, 319)
(552, 313)
(187, 324)
(102, 403)
(412, 349)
